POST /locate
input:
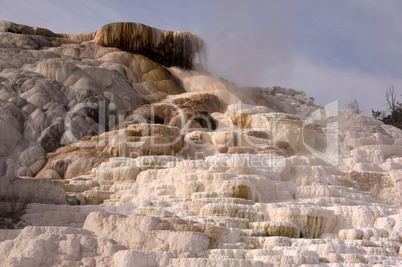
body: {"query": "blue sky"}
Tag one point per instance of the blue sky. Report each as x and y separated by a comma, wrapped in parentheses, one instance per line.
(342, 49)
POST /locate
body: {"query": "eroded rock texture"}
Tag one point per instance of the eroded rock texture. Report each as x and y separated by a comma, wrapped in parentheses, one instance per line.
(117, 154)
(165, 47)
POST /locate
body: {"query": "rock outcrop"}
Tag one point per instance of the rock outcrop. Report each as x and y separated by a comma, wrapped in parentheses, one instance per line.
(17, 193)
(165, 47)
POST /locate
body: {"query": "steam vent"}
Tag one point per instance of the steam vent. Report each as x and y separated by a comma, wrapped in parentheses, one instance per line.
(117, 150)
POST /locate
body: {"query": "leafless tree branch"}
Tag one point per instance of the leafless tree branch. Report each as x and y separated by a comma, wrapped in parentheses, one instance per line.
(390, 96)
(354, 106)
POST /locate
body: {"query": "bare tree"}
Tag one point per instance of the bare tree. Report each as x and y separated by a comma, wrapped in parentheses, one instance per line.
(390, 96)
(354, 106)
(394, 107)
(377, 114)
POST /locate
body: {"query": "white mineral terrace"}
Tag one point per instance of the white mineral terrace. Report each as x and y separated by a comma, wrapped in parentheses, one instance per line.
(108, 158)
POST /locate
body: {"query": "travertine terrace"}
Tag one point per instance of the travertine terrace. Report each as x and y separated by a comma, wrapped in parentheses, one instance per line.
(118, 149)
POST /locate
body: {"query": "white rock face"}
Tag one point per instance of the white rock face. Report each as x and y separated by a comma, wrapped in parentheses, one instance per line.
(125, 258)
(49, 246)
(141, 232)
(197, 180)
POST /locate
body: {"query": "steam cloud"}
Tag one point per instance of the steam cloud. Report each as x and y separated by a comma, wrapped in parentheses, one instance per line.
(249, 44)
